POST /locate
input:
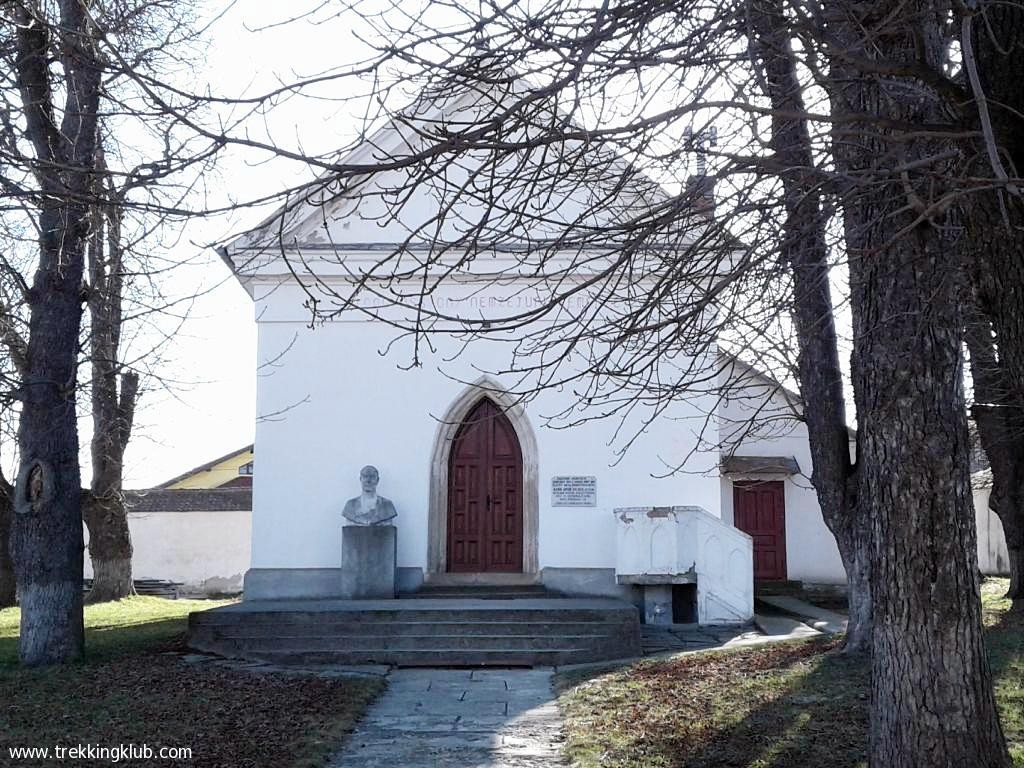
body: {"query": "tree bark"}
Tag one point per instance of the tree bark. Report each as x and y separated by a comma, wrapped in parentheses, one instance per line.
(805, 253)
(1016, 555)
(931, 687)
(113, 406)
(8, 584)
(998, 406)
(46, 536)
(932, 701)
(47, 532)
(110, 547)
(995, 270)
(858, 577)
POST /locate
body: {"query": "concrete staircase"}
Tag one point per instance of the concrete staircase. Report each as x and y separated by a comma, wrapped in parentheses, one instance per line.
(427, 631)
(773, 588)
(474, 592)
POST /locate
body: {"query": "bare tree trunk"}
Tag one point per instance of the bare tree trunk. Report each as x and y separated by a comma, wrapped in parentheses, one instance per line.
(110, 547)
(1016, 555)
(932, 701)
(47, 532)
(999, 408)
(8, 584)
(805, 252)
(46, 538)
(113, 406)
(858, 578)
(995, 267)
(931, 687)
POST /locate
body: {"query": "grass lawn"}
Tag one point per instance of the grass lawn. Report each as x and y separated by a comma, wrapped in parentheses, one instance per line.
(134, 689)
(775, 706)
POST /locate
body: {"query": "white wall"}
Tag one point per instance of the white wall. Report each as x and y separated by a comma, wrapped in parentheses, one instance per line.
(207, 552)
(993, 557)
(811, 551)
(346, 405)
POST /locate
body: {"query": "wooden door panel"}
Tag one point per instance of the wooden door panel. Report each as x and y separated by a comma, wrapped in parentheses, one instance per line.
(485, 509)
(759, 509)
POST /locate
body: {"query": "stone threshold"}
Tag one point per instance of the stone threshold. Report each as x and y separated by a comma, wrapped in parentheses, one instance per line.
(482, 579)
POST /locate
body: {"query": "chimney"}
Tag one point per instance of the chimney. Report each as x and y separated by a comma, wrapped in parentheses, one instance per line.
(700, 190)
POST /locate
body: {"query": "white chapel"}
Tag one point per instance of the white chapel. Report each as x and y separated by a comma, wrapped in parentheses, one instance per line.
(488, 492)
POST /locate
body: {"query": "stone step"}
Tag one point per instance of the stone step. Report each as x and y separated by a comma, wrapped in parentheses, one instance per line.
(459, 595)
(417, 628)
(442, 632)
(410, 642)
(762, 587)
(473, 592)
(435, 657)
(301, 618)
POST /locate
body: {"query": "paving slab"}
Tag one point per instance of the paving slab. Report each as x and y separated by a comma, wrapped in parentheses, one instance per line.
(821, 619)
(783, 626)
(658, 639)
(448, 718)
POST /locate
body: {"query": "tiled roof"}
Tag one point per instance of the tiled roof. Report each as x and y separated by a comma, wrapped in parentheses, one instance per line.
(207, 465)
(189, 500)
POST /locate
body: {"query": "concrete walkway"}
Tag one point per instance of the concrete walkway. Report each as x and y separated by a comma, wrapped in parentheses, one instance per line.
(451, 718)
(784, 627)
(670, 638)
(821, 619)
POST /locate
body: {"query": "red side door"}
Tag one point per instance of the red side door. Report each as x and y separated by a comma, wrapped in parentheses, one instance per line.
(485, 494)
(759, 509)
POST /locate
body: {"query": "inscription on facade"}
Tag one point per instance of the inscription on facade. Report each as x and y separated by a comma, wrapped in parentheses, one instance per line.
(574, 491)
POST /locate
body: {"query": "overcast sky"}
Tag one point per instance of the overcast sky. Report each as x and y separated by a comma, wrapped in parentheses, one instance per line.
(210, 410)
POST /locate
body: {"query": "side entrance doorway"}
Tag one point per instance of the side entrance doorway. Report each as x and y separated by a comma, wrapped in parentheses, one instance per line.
(485, 494)
(759, 510)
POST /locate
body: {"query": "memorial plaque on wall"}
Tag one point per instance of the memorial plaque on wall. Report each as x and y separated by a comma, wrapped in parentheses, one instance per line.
(574, 491)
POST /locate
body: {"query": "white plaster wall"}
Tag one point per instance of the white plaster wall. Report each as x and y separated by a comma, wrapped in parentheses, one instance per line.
(689, 540)
(811, 551)
(208, 552)
(993, 557)
(340, 404)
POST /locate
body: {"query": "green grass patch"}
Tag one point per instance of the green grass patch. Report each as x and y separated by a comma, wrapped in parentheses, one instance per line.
(779, 706)
(134, 688)
(117, 628)
(1004, 640)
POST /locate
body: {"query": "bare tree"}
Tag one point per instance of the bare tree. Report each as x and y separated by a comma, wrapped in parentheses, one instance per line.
(113, 391)
(538, 118)
(912, 432)
(8, 584)
(803, 245)
(993, 244)
(77, 71)
(12, 368)
(61, 127)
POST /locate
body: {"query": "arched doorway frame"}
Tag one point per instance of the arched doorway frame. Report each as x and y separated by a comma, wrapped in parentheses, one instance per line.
(444, 438)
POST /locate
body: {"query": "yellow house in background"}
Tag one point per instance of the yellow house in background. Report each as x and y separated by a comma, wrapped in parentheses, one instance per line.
(233, 470)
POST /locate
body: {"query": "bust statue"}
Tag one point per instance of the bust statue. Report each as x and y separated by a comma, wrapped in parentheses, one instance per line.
(368, 508)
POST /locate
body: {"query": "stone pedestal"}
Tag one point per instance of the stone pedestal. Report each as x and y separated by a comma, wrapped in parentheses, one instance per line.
(368, 562)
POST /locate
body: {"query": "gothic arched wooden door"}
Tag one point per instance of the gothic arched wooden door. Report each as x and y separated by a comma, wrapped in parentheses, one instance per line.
(485, 494)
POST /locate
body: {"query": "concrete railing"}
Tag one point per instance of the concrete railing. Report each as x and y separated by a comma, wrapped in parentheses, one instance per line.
(660, 545)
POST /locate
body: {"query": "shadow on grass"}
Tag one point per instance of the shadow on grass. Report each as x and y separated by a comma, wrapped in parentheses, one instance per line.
(107, 643)
(817, 718)
(697, 713)
(773, 707)
(1004, 641)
